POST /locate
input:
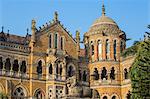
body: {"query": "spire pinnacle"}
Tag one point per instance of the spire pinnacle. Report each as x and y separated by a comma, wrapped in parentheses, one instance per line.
(103, 9)
(2, 29)
(56, 16)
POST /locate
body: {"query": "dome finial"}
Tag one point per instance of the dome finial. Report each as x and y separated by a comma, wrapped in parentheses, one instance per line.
(103, 8)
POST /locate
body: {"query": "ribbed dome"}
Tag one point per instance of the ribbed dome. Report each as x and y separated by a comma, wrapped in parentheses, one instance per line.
(103, 25)
(104, 20)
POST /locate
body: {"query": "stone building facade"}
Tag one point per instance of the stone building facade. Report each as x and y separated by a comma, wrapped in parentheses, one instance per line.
(49, 64)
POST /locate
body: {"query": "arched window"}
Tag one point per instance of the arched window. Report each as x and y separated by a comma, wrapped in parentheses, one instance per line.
(39, 68)
(112, 74)
(84, 76)
(115, 46)
(19, 93)
(80, 75)
(121, 46)
(15, 66)
(56, 40)
(104, 73)
(1, 63)
(96, 74)
(60, 69)
(62, 43)
(107, 49)
(57, 69)
(125, 73)
(50, 69)
(39, 94)
(50, 41)
(70, 71)
(99, 50)
(92, 48)
(7, 64)
(23, 67)
(114, 97)
(105, 97)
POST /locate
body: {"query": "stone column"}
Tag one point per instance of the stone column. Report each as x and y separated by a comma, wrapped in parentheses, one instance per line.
(95, 51)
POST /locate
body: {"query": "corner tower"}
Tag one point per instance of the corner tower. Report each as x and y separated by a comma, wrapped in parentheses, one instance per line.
(103, 44)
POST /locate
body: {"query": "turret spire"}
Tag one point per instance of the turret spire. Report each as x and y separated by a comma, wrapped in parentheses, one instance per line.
(103, 9)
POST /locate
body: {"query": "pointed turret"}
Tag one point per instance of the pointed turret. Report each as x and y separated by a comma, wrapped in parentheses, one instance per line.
(103, 10)
(33, 28)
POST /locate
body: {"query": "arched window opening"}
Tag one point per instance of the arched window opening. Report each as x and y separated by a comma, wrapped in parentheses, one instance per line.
(107, 49)
(1, 63)
(50, 41)
(15, 66)
(60, 69)
(128, 96)
(84, 76)
(99, 50)
(7, 64)
(39, 94)
(80, 75)
(125, 73)
(19, 93)
(115, 46)
(57, 69)
(50, 69)
(96, 74)
(114, 97)
(23, 67)
(39, 68)
(61, 43)
(104, 73)
(105, 97)
(112, 74)
(70, 71)
(92, 49)
(56, 41)
(121, 46)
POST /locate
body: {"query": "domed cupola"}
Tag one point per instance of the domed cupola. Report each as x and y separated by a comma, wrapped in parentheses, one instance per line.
(104, 40)
(103, 25)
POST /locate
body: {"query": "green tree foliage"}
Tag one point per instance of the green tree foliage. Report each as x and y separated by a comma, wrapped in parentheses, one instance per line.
(140, 72)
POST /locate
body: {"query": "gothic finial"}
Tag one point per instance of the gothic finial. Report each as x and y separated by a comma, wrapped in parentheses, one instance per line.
(56, 16)
(103, 9)
(33, 24)
(27, 31)
(2, 29)
(8, 31)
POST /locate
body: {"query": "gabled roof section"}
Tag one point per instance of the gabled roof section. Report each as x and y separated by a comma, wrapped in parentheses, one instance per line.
(55, 22)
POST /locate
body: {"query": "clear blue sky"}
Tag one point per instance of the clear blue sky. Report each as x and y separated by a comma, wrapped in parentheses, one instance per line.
(132, 16)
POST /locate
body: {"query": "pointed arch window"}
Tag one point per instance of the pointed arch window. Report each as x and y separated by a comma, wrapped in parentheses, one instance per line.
(107, 49)
(56, 40)
(1, 63)
(50, 41)
(62, 43)
(70, 71)
(99, 49)
(104, 73)
(15, 66)
(121, 46)
(23, 67)
(115, 46)
(39, 68)
(7, 64)
(125, 73)
(96, 74)
(50, 69)
(112, 73)
(60, 69)
(84, 76)
(80, 75)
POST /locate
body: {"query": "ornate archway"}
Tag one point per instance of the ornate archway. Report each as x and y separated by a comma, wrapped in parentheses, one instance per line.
(39, 94)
